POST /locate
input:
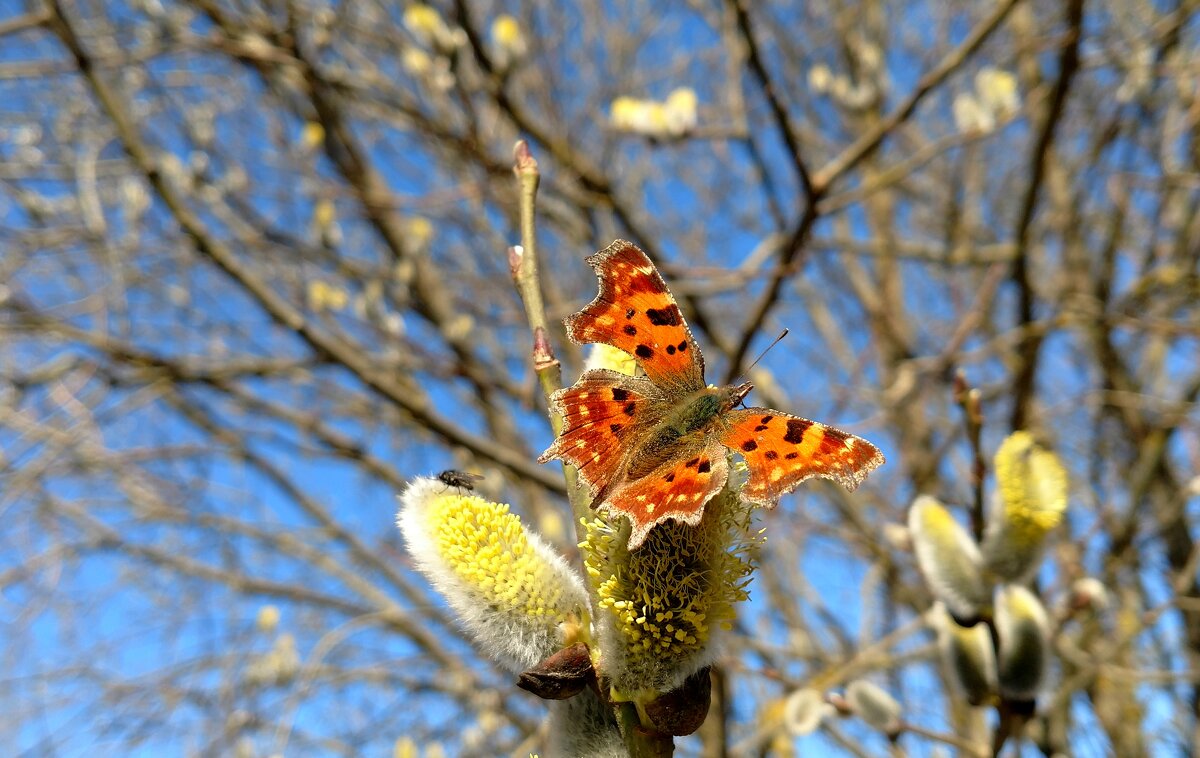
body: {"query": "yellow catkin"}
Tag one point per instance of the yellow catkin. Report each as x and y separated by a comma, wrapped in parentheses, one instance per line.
(506, 31)
(405, 747)
(1033, 485)
(487, 548)
(423, 18)
(665, 598)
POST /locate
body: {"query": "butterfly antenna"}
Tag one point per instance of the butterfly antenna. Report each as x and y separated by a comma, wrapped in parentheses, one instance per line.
(766, 350)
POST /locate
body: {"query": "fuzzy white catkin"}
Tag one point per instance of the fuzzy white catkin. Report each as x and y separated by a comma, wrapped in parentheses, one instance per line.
(680, 110)
(970, 115)
(874, 705)
(969, 653)
(997, 91)
(948, 557)
(508, 588)
(804, 710)
(1022, 627)
(583, 727)
(1092, 592)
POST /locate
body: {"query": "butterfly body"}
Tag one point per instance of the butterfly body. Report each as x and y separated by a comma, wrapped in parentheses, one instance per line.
(705, 407)
(655, 447)
(685, 428)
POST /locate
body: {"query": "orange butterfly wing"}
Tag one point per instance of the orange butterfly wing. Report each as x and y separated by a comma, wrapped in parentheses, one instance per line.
(782, 450)
(678, 490)
(599, 413)
(609, 419)
(636, 313)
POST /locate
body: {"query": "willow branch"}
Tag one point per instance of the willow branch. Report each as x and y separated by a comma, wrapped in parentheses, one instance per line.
(778, 108)
(790, 258)
(278, 308)
(1027, 352)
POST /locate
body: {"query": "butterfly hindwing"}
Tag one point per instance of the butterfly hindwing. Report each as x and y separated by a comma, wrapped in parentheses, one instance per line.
(636, 313)
(600, 412)
(678, 490)
(782, 450)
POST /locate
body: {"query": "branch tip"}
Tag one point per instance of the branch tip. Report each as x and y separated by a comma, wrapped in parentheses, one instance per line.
(840, 703)
(523, 160)
(974, 406)
(960, 386)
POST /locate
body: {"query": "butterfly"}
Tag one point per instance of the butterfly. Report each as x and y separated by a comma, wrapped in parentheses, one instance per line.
(459, 479)
(654, 447)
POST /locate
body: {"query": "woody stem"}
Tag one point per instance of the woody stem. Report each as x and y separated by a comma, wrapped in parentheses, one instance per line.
(641, 742)
(523, 263)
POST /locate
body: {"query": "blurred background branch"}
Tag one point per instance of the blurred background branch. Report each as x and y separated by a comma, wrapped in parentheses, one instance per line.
(253, 277)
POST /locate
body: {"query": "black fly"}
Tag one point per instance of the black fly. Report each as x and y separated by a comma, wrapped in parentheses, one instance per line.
(459, 479)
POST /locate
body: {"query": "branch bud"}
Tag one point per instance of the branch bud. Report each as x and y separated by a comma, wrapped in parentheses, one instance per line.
(560, 676)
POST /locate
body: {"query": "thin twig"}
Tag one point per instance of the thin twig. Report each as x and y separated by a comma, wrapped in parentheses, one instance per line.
(275, 305)
(968, 400)
(866, 144)
(1027, 351)
(778, 108)
(641, 742)
(790, 259)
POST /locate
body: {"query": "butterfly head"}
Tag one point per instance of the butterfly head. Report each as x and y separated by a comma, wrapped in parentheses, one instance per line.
(737, 393)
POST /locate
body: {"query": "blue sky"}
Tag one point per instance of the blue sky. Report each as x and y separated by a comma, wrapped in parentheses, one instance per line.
(107, 611)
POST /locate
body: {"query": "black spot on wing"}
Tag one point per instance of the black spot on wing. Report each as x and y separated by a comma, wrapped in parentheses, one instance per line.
(630, 408)
(770, 455)
(620, 395)
(749, 446)
(643, 351)
(630, 329)
(795, 430)
(668, 316)
(704, 467)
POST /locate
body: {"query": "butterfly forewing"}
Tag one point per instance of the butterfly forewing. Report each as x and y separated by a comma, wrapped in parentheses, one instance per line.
(636, 313)
(782, 450)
